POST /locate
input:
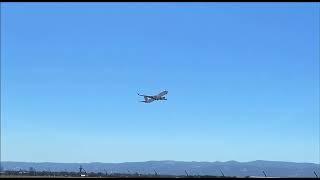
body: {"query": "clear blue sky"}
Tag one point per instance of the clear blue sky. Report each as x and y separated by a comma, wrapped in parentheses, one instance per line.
(243, 81)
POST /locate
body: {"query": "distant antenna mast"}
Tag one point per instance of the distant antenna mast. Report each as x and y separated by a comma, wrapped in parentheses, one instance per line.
(222, 173)
(186, 172)
(264, 174)
(315, 174)
(81, 169)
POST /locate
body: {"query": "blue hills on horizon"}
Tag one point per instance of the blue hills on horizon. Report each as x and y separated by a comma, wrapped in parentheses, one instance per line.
(169, 167)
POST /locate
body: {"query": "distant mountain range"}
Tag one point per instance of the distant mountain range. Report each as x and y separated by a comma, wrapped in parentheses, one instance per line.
(229, 168)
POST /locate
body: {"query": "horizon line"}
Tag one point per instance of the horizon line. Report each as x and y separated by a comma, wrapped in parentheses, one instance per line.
(157, 161)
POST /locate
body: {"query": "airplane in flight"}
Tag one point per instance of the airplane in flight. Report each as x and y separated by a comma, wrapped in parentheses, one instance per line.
(149, 99)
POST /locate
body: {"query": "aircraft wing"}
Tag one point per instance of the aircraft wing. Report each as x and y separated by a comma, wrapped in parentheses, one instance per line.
(149, 100)
(145, 96)
(162, 93)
